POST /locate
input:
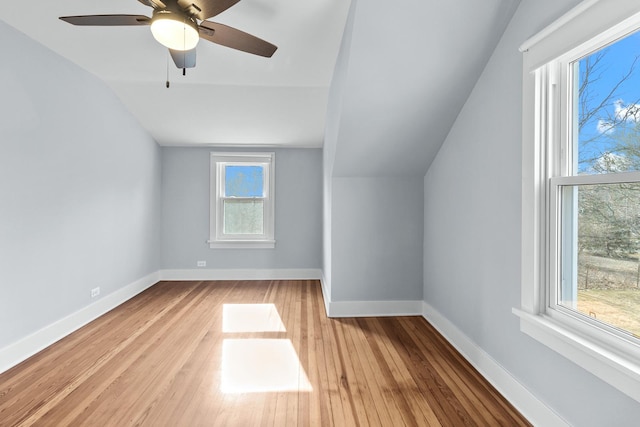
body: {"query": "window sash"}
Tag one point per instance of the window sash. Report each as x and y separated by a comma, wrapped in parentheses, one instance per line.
(220, 211)
(556, 82)
(561, 258)
(235, 236)
(222, 178)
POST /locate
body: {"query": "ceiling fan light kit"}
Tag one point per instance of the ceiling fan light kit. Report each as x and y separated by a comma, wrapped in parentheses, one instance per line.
(174, 31)
(174, 24)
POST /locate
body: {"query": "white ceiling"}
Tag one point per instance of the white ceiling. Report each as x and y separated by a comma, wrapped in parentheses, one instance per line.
(231, 97)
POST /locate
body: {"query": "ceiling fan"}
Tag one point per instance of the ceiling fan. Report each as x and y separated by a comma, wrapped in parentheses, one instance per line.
(174, 24)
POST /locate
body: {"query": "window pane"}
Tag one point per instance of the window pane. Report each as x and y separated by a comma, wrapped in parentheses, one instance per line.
(601, 253)
(244, 181)
(243, 216)
(608, 108)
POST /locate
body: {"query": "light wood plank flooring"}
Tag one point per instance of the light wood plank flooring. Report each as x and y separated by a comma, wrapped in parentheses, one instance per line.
(248, 353)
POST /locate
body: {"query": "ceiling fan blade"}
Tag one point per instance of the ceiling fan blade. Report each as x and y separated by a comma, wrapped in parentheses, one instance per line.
(231, 37)
(183, 58)
(156, 4)
(209, 8)
(107, 20)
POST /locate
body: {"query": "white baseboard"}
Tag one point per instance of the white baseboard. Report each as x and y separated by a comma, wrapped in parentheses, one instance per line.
(326, 295)
(30, 345)
(367, 308)
(374, 308)
(531, 407)
(242, 274)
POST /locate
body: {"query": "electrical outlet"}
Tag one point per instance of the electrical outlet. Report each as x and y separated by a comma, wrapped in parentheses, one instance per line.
(95, 292)
(202, 263)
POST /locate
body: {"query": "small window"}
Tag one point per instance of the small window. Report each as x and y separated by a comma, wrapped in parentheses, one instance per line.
(242, 200)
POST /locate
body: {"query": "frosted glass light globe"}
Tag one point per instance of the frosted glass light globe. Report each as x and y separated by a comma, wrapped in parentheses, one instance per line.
(174, 31)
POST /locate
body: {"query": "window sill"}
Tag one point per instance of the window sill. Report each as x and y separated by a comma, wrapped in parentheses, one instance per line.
(242, 244)
(621, 372)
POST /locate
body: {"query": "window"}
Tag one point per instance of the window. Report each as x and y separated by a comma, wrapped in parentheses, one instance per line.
(594, 209)
(242, 200)
(581, 190)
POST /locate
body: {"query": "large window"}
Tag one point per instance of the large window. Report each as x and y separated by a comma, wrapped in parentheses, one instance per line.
(595, 187)
(581, 191)
(242, 200)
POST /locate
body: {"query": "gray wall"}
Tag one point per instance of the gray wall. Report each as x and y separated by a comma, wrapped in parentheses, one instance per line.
(334, 111)
(185, 213)
(372, 224)
(79, 189)
(472, 236)
(377, 239)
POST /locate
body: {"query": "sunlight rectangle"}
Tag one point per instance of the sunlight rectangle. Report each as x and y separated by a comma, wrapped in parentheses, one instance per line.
(262, 366)
(237, 318)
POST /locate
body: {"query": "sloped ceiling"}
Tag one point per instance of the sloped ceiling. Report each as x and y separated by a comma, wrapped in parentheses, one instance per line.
(411, 67)
(231, 97)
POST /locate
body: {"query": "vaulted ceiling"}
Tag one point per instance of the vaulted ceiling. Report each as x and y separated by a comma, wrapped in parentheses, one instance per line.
(408, 68)
(230, 97)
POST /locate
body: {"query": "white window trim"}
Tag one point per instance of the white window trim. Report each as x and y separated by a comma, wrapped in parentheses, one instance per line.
(607, 356)
(216, 238)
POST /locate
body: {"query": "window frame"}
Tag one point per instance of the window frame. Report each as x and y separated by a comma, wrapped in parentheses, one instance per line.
(217, 238)
(546, 150)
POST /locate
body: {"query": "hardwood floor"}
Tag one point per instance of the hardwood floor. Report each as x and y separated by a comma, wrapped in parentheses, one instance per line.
(248, 353)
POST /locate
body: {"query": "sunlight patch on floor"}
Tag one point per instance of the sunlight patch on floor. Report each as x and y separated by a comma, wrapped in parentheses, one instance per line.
(261, 366)
(251, 318)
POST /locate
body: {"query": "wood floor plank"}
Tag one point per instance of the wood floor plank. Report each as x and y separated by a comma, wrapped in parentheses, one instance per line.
(469, 401)
(371, 380)
(404, 390)
(161, 359)
(470, 394)
(327, 349)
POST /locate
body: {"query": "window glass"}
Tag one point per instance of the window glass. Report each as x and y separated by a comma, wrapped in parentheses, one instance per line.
(243, 216)
(603, 280)
(244, 181)
(608, 110)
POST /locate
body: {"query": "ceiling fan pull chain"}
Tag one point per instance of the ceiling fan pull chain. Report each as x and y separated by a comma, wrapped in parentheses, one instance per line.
(167, 71)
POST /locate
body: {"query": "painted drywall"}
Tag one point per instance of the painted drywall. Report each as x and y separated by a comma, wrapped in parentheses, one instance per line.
(79, 189)
(377, 235)
(334, 111)
(412, 65)
(372, 225)
(185, 213)
(472, 235)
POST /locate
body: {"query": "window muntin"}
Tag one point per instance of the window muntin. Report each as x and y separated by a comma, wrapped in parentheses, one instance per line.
(595, 210)
(242, 206)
